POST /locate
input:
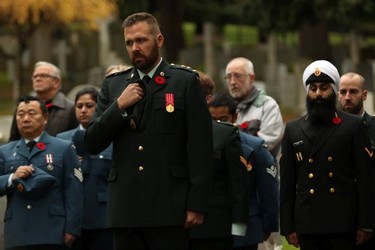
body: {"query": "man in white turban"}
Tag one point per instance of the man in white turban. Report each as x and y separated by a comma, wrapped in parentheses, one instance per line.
(326, 184)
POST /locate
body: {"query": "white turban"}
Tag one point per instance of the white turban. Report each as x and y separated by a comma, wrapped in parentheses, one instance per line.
(321, 71)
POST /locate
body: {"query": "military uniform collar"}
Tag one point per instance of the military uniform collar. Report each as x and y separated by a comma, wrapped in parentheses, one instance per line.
(36, 139)
(151, 73)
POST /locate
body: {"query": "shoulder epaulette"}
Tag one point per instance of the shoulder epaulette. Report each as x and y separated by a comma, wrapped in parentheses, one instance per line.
(181, 66)
(119, 72)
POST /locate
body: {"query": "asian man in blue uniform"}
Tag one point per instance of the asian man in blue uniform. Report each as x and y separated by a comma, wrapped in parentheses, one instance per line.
(49, 217)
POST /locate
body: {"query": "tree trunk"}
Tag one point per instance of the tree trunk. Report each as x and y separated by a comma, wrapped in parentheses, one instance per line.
(313, 42)
(209, 51)
(271, 74)
(354, 48)
(40, 42)
(171, 12)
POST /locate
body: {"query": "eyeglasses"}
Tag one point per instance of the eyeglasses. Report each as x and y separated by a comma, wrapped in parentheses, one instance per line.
(236, 76)
(43, 76)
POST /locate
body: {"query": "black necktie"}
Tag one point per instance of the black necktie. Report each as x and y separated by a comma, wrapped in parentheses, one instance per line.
(146, 79)
(30, 145)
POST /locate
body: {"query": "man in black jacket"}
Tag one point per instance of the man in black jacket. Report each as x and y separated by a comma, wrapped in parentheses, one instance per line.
(326, 193)
(352, 94)
(229, 203)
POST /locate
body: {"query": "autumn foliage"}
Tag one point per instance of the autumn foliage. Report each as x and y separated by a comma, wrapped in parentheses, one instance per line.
(33, 12)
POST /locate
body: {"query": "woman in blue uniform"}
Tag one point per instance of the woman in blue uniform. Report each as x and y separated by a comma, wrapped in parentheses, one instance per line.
(95, 168)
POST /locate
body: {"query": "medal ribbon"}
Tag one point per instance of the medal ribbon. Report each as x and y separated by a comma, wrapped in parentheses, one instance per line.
(49, 159)
(169, 99)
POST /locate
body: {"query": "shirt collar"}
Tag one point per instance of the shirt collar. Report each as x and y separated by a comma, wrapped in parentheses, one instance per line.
(36, 139)
(151, 73)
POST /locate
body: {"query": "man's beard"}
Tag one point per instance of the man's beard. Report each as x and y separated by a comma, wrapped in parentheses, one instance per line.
(321, 109)
(148, 62)
(355, 109)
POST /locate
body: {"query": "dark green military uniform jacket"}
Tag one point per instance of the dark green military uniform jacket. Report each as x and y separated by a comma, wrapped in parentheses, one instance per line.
(228, 202)
(162, 170)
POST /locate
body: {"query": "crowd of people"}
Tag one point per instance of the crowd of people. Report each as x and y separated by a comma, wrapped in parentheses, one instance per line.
(158, 160)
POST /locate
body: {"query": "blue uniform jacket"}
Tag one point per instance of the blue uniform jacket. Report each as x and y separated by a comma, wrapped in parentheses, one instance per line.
(263, 211)
(42, 221)
(95, 170)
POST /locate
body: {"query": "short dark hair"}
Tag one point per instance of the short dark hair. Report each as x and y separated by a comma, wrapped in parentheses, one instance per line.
(223, 100)
(28, 98)
(87, 90)
(142, 17)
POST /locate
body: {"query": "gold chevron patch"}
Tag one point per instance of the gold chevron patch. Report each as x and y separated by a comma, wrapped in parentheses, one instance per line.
(370, 153)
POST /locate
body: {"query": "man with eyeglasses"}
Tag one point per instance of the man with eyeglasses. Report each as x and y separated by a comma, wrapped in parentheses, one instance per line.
(46, 81)
(258, 114)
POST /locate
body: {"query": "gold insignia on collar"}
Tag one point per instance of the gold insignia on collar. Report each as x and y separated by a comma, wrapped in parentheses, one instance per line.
(299, 156)
(317, 72)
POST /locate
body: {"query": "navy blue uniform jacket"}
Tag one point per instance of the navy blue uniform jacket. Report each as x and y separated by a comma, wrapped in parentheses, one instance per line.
(95, 169)
(263, 195)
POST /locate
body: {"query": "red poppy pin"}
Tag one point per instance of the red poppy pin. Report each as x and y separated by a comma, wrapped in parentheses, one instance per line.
(41, 145)
(159, 80)
(244, 125)
(336, 120)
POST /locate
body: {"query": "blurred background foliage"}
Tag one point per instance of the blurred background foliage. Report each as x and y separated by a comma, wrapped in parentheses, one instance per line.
(312, 27)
